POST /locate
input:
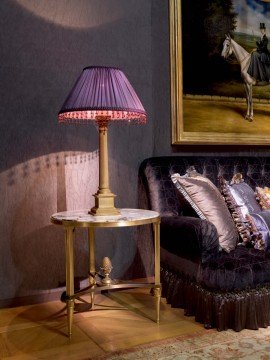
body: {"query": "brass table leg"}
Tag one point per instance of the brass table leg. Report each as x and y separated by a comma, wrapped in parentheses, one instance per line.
(157, 290)
(92, 266)
(69, 237)
(157, 294)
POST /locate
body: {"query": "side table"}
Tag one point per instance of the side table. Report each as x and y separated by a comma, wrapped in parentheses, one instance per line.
(70, 220)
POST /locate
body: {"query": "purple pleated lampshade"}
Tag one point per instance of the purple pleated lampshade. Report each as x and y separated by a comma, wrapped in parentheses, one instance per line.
(102, 91)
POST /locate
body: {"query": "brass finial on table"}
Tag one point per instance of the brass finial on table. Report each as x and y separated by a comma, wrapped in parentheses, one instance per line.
(106, 268)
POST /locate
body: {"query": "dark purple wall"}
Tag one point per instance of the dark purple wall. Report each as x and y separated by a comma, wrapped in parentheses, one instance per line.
(45, 167)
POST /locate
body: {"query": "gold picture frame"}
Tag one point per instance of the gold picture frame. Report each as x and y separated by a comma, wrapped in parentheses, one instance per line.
(204, 119)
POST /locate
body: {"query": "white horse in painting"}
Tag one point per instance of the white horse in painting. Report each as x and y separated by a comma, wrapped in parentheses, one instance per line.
(243, 58)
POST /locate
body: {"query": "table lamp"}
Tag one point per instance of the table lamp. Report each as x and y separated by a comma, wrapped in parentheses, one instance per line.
(103, 95)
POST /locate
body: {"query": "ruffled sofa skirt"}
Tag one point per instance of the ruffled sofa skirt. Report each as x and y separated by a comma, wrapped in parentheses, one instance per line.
(248, 309)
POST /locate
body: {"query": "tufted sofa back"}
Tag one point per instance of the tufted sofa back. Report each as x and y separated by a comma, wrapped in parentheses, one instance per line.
(157, 192)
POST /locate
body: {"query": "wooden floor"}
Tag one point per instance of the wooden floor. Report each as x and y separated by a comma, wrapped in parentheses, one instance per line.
(120, 320)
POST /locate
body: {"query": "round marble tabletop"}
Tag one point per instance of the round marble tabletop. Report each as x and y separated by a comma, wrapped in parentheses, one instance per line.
(127, 217)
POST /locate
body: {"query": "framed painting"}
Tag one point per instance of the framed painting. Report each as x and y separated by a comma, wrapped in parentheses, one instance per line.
(220, 71)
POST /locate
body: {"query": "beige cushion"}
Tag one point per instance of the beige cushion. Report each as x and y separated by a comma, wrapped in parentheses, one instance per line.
(209, 204)
(263, 197)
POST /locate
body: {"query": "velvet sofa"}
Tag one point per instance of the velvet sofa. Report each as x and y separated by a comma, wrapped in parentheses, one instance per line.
(222, 290)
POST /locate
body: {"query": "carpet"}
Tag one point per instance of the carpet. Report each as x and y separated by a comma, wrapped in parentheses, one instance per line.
(207, 344)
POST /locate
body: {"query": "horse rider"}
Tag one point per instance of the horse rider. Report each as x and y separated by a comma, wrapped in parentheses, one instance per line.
(259, 67)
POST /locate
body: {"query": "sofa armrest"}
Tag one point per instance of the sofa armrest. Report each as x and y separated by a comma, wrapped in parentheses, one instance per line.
(189, 237)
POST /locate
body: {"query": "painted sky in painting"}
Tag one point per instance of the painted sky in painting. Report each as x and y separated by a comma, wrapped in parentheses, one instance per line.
(250, 14)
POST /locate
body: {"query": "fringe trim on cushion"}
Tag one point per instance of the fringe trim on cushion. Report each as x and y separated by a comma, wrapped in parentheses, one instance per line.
(246, 229)
(249, 309)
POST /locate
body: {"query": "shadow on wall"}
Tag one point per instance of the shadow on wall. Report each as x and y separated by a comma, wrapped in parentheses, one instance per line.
(32, 250)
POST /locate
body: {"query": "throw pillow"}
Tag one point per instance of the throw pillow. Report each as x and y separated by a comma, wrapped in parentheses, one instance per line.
(260, 225)
(245, 192)
(206, 200)
(263, 197)
(241, 201)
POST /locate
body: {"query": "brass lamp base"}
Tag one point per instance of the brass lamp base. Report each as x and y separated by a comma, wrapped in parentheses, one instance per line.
(104, 205)
(104, 198)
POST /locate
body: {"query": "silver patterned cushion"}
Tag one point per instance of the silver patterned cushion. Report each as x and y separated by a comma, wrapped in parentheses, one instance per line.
(241, 201)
